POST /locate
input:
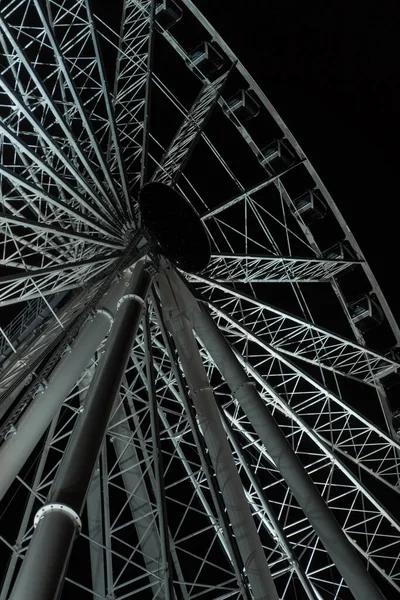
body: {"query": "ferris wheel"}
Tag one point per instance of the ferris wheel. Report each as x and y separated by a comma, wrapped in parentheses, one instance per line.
(198, 369)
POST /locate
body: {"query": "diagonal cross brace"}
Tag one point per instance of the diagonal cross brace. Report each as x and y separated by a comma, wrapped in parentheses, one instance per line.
(187, 136)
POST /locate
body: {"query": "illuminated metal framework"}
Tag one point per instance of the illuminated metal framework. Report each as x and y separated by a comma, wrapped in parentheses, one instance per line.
(213, 435)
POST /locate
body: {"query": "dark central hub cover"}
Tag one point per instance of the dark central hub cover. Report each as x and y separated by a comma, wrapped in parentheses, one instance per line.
(175, 227)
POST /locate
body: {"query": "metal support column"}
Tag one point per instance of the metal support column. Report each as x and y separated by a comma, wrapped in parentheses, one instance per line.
(314, 507)
(225, 534)
(242, 522)
(57, 523)
(25, 523)
(139, 501)
(311, 591)
(168, 590)
(96, 534)
(17, 448)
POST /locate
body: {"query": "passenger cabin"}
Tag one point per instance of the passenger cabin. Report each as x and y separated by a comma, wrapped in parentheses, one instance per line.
(396, 421)
(366, 313)
(167, 13)
(309, 207)
(243, 106)
(205, 60)
(340, 251)
(277, 157)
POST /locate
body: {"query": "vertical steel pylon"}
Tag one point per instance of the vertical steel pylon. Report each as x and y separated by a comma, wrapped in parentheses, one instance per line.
(58, 521)
(37, 417)
(243, 527)
(183, 314)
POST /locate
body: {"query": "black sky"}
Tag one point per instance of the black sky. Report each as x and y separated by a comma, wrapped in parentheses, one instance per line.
(331, 69)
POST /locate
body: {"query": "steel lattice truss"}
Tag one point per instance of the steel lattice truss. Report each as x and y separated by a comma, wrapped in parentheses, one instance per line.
(92, 107)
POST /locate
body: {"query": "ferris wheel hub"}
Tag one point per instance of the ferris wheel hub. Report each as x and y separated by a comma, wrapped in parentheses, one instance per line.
(175, 227)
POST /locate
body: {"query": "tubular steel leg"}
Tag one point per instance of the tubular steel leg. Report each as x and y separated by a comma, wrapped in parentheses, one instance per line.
(96, 535)
(317, 512)
(242, 522)
(25, 523)
(43, 570)
(168, 590)
(311, 592)
(139, 501)
(17, 448)
(227, 540)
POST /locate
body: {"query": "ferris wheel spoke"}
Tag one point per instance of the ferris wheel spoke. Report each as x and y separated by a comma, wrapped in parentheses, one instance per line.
(55, 149)
(147, 102)
(113, 137)
(67, 59)
(21, 249)
(131, 87)
(243, 195)
(250, 268)
(50, 280)
(42, 166)
(37, 246)
(257, 226)
(60, 235)
(46, 207)
(299, 338)
(178, 153)
(340, 425)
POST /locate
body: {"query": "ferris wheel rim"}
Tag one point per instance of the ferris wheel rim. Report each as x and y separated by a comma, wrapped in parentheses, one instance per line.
(271, 108)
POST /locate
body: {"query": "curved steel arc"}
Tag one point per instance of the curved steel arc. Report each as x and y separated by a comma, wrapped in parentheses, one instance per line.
(288, 134)
(322, 347)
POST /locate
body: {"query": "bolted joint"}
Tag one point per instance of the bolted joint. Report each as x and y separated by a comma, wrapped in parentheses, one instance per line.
(57, 507)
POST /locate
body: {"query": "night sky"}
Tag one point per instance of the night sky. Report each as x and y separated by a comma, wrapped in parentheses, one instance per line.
(331, 70)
